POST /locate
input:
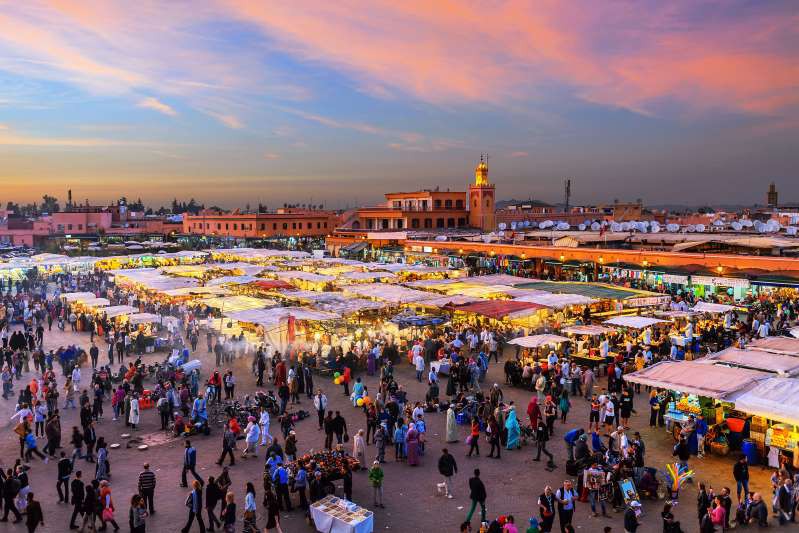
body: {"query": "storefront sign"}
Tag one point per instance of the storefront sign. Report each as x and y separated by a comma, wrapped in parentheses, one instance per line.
(675, 278)
(720, 282)
(649, 301)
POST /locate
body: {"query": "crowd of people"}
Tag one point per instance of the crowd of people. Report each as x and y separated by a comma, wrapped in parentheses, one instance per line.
(601, 451)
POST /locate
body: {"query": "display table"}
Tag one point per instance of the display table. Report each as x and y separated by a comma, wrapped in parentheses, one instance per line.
(337, 515)
(583, 358)
(441, 367)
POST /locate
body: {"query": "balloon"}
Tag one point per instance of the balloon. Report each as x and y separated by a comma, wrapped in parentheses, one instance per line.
(337, 374)
(367, 400)
(730, 291)
(359, 401)
(337, 381)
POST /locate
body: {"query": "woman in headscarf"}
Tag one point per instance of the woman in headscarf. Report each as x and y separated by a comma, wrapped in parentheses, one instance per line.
(251, 434)
(512, 426)
(452, 426)
(370, 361)
(533, 412)
(359, 447)
(101, 471)
(412, 445)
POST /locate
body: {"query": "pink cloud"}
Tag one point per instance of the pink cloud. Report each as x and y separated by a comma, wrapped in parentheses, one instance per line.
(619, 54)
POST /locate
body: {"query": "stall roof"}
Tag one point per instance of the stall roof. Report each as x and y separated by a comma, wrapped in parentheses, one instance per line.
(498, 309)
(271, 317)
(756, 360)
(77, 296)
(270, 284)
(695, 378)
(500, 279)
(586, 330)
(360, 276)
(143, 318)
(592, 290)
(390, 293)
(556, 301)
(535, 341)
(303, 276)
(259, 253)
(348, 306)
(238, 303)
(635, 322)
(194, 291)
(451, 301)
(119, 310)
(768, 399)
(231, 280)
(710, 307)
(784, 345)
(96, 302)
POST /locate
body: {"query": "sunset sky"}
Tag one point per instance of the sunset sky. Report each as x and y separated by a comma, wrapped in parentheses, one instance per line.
(235, 101)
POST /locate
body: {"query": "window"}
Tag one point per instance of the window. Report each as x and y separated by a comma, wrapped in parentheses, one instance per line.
(236, 226)
(450, 222)
(438, 204)
(399, 223)
(415, 223)
(310, 225)
(369, 223)
(439, 222)
(318, 225)
(206, 225)
(219, 226)
(475, 202)
(384, 223)
(263, 226)
(448, 204)
(428, 223)
(285, 225)
(80, 226)
(488, 202)
(461, 222)
(69, 226)
(227, 226)
(458, 204)
(274, 226)
(325, 225)
(293, 225)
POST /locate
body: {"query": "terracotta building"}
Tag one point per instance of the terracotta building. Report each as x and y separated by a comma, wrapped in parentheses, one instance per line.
(282, 223)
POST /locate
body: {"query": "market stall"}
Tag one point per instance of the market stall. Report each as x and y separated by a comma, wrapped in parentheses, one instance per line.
(711, 307)
(537, 341)
(634, 322)
(336, 515)
(783, 345)
(787, 365)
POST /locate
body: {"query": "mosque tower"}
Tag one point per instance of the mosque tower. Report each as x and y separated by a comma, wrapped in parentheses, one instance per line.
(481, 199)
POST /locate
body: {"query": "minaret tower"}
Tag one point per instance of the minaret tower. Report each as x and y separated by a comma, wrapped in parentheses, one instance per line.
(481, 199)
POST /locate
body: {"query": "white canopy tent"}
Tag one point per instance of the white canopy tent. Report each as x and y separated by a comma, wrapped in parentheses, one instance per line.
(756, 360)
(396, 294)
(770, 399)
(710, 307)
(119, 310)
(635, 322)
(144, 318)
(536, 341)
(695, 378)
(365, 276)
(784, 345)
(586, 330)
(301, 275)
(96, 302)
(77, 296)
(453, 299)
(557, 301)
(229, 304)
(231, 280)
(269, 318)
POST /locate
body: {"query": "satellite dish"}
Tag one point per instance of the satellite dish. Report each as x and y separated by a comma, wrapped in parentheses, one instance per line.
(615, 226)
(794, 219)
(541, 225)
(747, 223)
(672, 228)
(791, 230)
(501, 233)
(512, 225)
(441, 237)
(502, 225)
(595, 226)
(486, 238)
(655, 228)
(736, 226)
(562, 226)
(718, 222)
(581, 227)
(700, 228)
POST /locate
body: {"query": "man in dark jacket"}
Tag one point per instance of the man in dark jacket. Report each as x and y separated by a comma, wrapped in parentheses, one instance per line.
(447, 467)
(477, 493)
(64, 471)
(11, 488)
(631, 517)
(78, 495)
(740, 471)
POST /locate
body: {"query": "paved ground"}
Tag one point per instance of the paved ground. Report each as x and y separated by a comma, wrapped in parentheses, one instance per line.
(513, 483)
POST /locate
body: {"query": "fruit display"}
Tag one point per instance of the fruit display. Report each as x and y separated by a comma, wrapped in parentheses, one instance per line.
(330, 463)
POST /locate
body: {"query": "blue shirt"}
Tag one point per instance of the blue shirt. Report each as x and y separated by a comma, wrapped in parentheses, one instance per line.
(281, 475)
(300, 478)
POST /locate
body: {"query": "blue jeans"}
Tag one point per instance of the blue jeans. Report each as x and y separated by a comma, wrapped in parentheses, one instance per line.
(742, 484)
(593, 497)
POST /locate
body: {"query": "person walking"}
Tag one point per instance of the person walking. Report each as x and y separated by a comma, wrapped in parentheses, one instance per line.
(194, 502)
(740, 471)
(212, 497)
(137, 514)
(376, 476)
(78, 495)
(228, 445)
(474, 438)
(280, 479)
(229, 513)
(541, 437)
(107, 506)
(11, 488)
(147, 483)
(34, 516)
(190, 465)
(546, 509)
(272, 511)
(320, 404)
(447, 467)
(477, 494)
(64, 471)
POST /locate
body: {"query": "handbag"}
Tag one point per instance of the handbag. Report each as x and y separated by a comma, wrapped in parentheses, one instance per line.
(108, 514)
(346, 437)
